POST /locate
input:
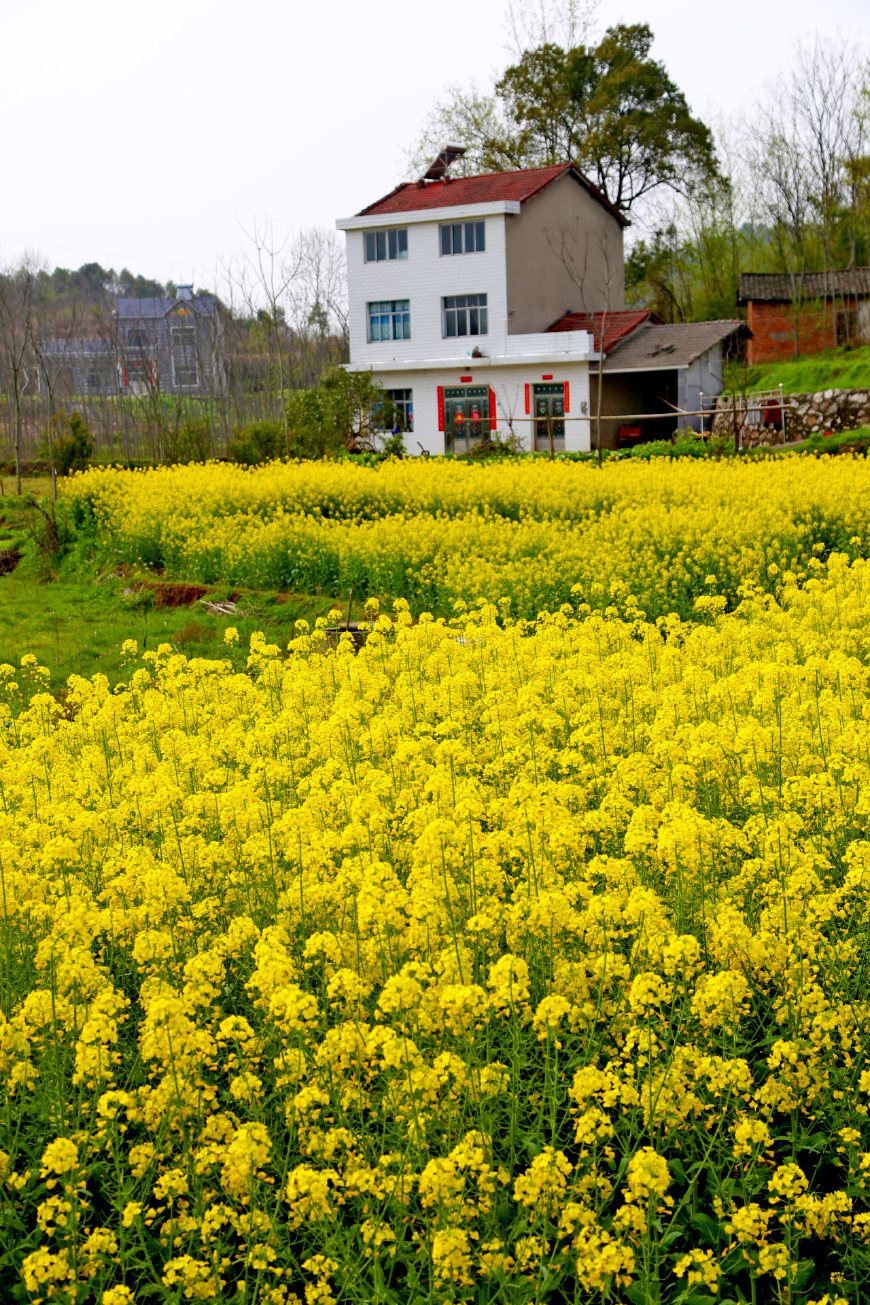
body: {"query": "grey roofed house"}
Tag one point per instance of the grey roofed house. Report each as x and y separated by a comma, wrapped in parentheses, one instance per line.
(173, 345)
(170, 344)
(69, 367)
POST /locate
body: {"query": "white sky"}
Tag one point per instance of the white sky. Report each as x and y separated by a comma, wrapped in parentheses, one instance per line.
(148, 136)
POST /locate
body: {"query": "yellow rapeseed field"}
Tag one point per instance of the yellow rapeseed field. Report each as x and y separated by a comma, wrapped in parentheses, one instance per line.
(435, 531)
(497, 960)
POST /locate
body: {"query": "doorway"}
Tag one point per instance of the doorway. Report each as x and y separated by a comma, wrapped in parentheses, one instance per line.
(549, 418)
(466, 417)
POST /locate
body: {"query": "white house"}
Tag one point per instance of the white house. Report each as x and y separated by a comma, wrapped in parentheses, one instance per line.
(497, 303)
(452, 286)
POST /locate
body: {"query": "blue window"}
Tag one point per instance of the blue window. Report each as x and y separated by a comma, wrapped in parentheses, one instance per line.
(390, 319)
(384, 245)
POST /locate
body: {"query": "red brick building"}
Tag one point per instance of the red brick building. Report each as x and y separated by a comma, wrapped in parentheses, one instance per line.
(806, 313)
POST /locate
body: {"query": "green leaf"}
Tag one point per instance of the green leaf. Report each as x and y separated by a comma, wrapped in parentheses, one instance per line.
(707, 1226)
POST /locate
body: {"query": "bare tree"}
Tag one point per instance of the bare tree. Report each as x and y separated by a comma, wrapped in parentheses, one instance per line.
(17, 305)
(592, 265)
(54, 348)
(531, 23)
(808, 135)
(263, 281)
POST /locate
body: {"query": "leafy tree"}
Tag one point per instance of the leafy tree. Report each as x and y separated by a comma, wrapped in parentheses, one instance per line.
(613, 110)
(335, 416)
(609, 107)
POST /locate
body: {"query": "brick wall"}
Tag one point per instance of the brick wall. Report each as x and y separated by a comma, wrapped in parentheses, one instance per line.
(774, 328)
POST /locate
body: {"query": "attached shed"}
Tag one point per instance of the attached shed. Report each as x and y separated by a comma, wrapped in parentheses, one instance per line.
(658, 378)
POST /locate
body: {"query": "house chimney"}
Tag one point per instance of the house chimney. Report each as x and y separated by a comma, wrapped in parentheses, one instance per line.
(184, 292)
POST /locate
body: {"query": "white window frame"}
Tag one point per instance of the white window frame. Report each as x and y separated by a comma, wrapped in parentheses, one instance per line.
(174, 332)
(385, 245)
(461, 238)
(388, 319)
(469, 312)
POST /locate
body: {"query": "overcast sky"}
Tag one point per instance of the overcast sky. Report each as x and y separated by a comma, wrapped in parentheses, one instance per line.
(149, 136)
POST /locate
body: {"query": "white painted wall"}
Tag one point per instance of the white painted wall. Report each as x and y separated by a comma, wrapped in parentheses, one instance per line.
(424, 278)
(509, 383)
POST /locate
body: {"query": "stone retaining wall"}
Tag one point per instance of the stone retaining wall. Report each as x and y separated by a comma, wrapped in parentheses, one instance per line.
(805, 414)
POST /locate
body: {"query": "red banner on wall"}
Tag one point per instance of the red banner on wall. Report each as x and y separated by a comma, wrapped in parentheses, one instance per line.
(567, 397)
(528, 399)
(493, 422)
(441, 407)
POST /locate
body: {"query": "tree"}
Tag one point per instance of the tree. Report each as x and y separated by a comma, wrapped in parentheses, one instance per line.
(17, 307)
(610, 108)
(336, 416)
(807, 143)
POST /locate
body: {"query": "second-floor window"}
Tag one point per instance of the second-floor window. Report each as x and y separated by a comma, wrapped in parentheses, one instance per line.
(137, 338)
(465, 315)
(384, 245)
(390, 319)
(463, 238)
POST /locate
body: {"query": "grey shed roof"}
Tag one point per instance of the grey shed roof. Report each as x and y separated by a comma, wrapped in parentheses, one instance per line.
(202, 305)
(779, 287)
(77, 349)
(660, 347)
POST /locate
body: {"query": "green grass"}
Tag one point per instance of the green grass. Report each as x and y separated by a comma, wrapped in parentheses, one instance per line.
(840, 369)
(844, 441)
(74, 617)
(76, 625)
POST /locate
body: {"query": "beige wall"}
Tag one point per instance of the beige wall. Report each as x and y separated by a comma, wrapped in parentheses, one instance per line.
(564, 253)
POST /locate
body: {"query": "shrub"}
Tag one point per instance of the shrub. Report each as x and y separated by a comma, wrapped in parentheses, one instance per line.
(71, 447)
(188, 441)
(258, 441)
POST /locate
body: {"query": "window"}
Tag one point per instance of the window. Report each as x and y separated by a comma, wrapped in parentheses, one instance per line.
(185, 365)
(465, 315)
(463, 238)
(400, 409)
(137, 338)
(138, 376)
(384, 245)
(95, 382)
(390, 319)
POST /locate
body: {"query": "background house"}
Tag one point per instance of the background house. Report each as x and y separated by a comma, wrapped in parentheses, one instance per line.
(174, 344)
(805, 313)
(170, 344)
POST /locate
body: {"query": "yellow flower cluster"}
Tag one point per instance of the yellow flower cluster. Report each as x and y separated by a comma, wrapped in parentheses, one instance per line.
(491, 960)
(630, 536)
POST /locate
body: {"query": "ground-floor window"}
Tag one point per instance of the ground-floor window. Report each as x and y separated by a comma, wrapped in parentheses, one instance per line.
(399, 411)
(466, 417)
(549, 418)
(138, 376)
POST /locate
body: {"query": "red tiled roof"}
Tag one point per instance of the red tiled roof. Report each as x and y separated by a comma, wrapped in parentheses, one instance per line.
(490, 187)
(616, 325)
